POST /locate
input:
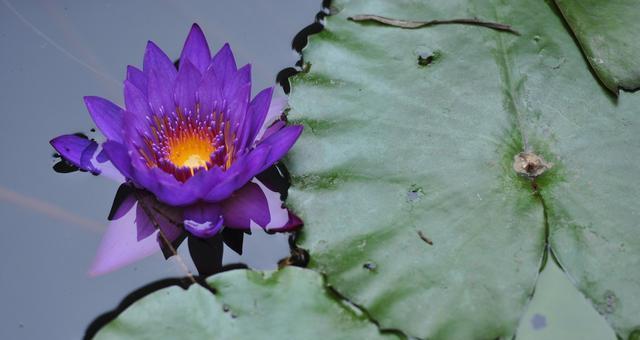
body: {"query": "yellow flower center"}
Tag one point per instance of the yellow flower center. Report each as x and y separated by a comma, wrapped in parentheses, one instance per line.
(182, 145)
(190, 151)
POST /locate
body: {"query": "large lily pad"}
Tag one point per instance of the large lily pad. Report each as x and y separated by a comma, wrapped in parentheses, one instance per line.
(404, 174)
(607, 32)
(288, 304)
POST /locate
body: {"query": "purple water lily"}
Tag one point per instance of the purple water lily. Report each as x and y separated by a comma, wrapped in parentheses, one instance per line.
(191, 141)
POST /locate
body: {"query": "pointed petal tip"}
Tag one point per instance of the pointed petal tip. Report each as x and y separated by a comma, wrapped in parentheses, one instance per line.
(155, 59)
(195, 28)
(132, 69)
(226, 49)
(153, 48)
(61, 139)
(196, 49)
(293, 223)
(87, 99)
(295, 130)
(54, 141)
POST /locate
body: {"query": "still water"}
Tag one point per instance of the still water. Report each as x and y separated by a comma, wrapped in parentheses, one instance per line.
(53, 54)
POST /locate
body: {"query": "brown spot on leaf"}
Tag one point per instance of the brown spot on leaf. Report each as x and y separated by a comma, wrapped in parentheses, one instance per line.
(529, 164)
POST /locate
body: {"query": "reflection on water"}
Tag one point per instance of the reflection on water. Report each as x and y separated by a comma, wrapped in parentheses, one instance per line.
(140, 225)
(206, 254)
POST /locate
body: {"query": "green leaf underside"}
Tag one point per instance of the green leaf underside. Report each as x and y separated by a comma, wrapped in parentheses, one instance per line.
(558, 311)
(288, 304)
(392, 148)
(608, 34)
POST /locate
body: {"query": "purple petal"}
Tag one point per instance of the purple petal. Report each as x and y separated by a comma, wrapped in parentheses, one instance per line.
(279, 143)
(257, 112)
(241, 78)
(137, 78)
(237, 175)
(246, 205)
(144, 226)
(125, 205)
(199, 184)
(210, 92)
(76, 150)
(163, 217)
(87, 156)
(186, 86)
(196, 49)
(157, 61)
(293, 222)
(203, 230)
(224, 64)
(170, 230)
(244, 74)
(119, 157)
(107, 116)
(203, 220)
(160, 91)
(135, 100)
(275, 127)
(256, 161)
(137, 127)
(237, 94)
(161, 75)
(102, 156)
(237, 107)
(167, 188)
(84, 154)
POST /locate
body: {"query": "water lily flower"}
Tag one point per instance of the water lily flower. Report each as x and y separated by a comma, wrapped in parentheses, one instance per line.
(190, 141)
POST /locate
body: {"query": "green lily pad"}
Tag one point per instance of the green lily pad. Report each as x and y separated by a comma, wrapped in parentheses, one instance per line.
(405, 175)
(607, 32)
(292, 303)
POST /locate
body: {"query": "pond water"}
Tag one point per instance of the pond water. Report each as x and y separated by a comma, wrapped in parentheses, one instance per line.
(54, 54)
